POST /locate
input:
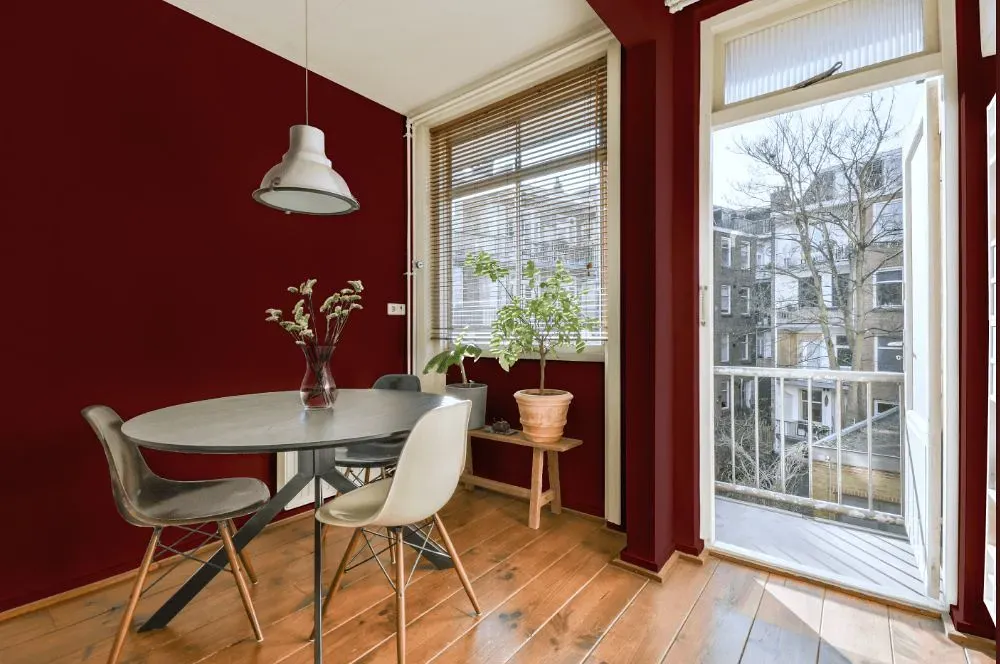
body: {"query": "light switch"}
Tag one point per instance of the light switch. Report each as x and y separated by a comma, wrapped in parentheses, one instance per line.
(397, 309)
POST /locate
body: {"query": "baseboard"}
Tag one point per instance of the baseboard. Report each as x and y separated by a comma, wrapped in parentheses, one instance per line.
(970, 641)
(661, 575)
(73, 593)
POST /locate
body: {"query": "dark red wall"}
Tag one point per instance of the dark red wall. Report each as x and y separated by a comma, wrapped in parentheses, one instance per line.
(659, 280)
(136, 268)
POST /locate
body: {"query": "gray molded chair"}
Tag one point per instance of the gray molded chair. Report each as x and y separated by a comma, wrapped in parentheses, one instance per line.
(383, 454)
(144, 499)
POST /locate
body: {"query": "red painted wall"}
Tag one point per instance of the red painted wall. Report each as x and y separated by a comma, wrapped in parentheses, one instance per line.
(136, 268)
(659, 254)
(581, 471)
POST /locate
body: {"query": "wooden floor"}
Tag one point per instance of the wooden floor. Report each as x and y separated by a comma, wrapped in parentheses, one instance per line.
(548, 597)
(866, 559)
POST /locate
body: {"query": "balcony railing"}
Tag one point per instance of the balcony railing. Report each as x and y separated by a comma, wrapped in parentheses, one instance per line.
(839, 448)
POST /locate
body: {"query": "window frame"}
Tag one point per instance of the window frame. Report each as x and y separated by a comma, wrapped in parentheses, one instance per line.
(878, 346)
(746, 356)
(876, 283)
(744, 299)
(746, 261)
(725, 296)
(724, 348)
(726, 250)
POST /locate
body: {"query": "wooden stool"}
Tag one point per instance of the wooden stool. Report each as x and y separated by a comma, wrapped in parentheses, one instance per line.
(539, 451)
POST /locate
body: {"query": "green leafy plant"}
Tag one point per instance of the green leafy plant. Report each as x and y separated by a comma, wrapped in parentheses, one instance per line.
(453, 356)
(547, 317)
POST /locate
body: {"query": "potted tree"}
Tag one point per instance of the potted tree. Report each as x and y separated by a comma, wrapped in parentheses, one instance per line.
(547, 316)
(467, 390)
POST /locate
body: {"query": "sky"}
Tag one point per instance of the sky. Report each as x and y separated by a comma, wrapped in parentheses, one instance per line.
(729, 167)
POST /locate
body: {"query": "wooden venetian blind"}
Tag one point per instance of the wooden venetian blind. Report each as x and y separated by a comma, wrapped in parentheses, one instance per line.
(523, 179)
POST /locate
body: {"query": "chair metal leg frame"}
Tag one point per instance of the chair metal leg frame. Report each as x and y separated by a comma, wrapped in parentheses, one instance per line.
(133, 599)
(400, 600)
(227, 542)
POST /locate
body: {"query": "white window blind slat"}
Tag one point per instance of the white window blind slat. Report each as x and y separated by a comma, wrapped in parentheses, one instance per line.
(523, 179)
(858, 33)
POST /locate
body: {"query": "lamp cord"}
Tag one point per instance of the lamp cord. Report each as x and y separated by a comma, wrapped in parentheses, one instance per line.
(306, 3)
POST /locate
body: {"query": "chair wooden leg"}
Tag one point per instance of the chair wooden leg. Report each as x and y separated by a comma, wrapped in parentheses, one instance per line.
(227, 543)
(368, 475)
(459, 569)
(244, 557)
(133, 600)
(339, 576)
(400, 600)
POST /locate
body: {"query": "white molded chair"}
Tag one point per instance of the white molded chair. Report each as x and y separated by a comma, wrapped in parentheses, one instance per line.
(426, 476)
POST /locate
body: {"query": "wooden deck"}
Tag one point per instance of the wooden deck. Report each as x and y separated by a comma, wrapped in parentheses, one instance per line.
(879, 563)
(549, 596)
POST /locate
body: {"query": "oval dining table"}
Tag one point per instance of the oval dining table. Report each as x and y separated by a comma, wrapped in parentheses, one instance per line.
(276, 422)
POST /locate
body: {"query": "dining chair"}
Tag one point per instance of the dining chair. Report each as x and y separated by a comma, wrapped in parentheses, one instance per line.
(147, 500)
(425, 479)
(364, 458)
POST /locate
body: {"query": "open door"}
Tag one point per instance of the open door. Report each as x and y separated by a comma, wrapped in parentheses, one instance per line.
(922, 458)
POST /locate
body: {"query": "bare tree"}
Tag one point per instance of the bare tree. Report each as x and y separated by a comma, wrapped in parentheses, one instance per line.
(748, 455)
(826, 178)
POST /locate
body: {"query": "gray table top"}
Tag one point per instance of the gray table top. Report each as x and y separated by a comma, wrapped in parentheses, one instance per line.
(276, 422)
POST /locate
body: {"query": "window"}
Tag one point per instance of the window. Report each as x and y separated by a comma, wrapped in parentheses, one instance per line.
(889, 288)
(724, 349)
(815, 405)
(889, 353)
(724, 394)
(726, 299)
(746, 387)
(744, 255)
(523, 179)
(812, 354)
(744, 297)
(842, 291)
(765, 345)
(856, 33)
(763, 256)
(884, 406)
(808, 293)
(887, 222)
(845, 354)
(745, 346)
(726, 251)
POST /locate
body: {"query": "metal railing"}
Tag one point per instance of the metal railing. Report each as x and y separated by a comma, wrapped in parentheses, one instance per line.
(752, 469)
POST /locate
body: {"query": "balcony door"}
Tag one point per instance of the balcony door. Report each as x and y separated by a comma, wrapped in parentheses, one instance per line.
(922, 179)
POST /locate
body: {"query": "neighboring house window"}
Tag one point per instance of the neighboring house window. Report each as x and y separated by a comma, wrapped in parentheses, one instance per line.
(808, 295)
(884, 406)
(726, 251)
(724, 349)
(724, 394)
(841, 290)
(815, 405)
(889, 288)
(845, 354)
(745, 355)
(523, 179)
(726, 300)
(747, 389)
(812, 354)
(765, 345)
(889, 353)
(887, 222)
(763, 257)
(745, 255)
(744, 298)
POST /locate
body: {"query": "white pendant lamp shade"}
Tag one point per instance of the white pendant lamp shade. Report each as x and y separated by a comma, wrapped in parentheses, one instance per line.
(304, 181)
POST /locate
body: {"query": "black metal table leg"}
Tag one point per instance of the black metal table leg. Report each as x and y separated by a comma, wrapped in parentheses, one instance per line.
(206, 573)
(318, 572)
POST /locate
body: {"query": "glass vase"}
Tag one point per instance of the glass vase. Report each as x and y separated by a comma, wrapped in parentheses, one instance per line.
(318, 391)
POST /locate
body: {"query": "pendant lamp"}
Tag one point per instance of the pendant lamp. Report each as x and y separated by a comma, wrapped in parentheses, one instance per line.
(304, 181)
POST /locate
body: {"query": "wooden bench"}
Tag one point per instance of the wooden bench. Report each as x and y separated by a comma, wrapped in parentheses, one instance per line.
(539, 451)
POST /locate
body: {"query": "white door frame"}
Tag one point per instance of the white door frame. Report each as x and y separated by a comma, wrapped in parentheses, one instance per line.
(943, 63)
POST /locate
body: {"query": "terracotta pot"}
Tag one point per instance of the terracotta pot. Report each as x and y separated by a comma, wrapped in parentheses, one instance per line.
(543, 416)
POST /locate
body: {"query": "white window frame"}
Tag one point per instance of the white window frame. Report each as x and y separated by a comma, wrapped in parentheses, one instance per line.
(726, 300)
(879, 346)
(765, 350)
(556, 63)
(745, 355)
(726, 250)
(876, 284)
(743, 295)
(724, 348)
(745, 261)
(725, 399)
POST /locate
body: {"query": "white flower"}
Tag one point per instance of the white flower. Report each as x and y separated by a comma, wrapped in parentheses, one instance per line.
(307, 287)
(356, 306)
(356, 285)
(293, 289)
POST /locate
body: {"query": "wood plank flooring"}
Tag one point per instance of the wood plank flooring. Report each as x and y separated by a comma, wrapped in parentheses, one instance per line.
(548, 597)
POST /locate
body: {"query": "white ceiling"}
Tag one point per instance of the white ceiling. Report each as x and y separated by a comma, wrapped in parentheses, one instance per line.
(404, 54)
